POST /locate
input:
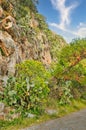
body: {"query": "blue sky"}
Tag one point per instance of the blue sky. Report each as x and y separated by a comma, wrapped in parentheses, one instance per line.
(65, 17)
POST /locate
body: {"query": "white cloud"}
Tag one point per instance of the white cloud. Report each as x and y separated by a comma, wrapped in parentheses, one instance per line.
(81, 30)
(65, 20)
(81, 24)
(64, 11)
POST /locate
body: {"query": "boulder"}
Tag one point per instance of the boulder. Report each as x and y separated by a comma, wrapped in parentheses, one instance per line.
(2, 116)
(1, 107)
(7, 44)
(51, 111)
(30, 115)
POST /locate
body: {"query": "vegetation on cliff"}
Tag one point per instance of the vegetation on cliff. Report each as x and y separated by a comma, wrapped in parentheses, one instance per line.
(36, 65)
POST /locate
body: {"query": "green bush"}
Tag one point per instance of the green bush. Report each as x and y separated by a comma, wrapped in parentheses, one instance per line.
(69, 73)
(29, 89)
(66, 96)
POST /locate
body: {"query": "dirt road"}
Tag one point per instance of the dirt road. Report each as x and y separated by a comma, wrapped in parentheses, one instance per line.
(74, 121)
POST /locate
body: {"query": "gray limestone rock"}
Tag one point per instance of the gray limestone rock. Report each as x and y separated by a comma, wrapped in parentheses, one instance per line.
(1, 107)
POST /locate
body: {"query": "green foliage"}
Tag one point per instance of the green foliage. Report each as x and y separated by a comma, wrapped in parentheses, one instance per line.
(65, 92)
(23, 7)
(29, 89)
(71, 68)
(72, 51)
(1, 51)
(56, 43)
(20, 7)
(42, 22)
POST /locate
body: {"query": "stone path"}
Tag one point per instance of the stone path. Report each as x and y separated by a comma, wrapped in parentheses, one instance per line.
(74, 121)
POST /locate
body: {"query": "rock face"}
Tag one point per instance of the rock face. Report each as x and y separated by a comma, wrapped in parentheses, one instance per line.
(12, 52)
(16, 47)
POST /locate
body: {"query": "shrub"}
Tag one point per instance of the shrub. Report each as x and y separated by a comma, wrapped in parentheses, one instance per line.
(29, 89)
(69, 73)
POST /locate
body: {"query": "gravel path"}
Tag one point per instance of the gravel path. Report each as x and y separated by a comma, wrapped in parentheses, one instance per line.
(74, 121)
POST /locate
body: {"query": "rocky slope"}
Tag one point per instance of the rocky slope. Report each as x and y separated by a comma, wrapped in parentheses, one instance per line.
(25, 38)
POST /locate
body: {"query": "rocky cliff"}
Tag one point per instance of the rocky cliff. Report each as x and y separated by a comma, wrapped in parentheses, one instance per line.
(24, 37)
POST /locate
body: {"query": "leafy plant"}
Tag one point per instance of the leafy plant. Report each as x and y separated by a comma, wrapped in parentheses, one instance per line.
(29, 89)
(65, 96)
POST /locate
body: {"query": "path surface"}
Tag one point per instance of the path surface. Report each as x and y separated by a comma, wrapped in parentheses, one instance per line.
(74, 121)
